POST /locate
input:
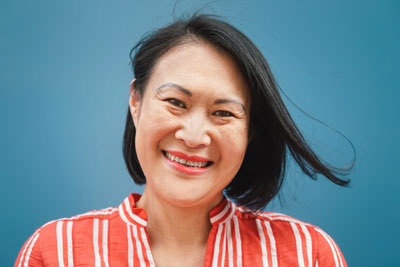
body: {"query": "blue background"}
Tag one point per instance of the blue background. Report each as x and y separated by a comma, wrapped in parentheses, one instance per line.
(65, 74)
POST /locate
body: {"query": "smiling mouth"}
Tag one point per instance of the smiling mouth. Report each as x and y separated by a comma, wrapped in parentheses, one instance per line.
(187, 163)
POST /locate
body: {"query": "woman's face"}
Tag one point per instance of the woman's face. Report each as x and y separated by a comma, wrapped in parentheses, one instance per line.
(191, 125)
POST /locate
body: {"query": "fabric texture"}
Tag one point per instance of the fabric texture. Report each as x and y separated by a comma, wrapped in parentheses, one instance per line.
(238, 237)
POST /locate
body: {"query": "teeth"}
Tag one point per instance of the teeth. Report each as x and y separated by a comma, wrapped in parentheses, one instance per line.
(197, 164)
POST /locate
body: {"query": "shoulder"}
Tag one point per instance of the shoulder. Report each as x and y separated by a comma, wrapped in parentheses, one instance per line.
(85, 220)
(293, 236)
(41, 247)
(277, 225)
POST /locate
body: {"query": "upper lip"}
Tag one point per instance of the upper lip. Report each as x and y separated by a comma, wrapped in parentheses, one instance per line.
(186, 157)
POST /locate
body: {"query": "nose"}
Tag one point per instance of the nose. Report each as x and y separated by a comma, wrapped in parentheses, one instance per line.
(194, 131)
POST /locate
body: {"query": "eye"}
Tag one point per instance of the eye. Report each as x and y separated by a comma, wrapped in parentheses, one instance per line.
(223, 113)
(176, 102)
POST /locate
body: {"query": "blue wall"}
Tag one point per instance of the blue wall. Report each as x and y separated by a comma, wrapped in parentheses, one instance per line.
(64, 72)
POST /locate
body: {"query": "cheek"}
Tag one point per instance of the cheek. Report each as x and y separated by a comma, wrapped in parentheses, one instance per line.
(154, 127)
(234, 143)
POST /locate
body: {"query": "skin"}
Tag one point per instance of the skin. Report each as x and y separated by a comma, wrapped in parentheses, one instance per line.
(206, 114)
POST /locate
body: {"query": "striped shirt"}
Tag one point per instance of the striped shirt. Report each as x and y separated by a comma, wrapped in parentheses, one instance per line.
(238, 237)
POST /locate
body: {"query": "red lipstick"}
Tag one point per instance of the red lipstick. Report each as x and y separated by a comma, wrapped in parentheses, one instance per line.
(186, 157)
(186, 169)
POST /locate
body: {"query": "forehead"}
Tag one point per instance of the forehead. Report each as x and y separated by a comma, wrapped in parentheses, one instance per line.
(199, 65)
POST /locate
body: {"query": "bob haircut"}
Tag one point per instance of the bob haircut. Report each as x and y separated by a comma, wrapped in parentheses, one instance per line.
(272, 132)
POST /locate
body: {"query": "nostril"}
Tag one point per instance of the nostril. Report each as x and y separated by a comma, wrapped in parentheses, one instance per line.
(193, 138)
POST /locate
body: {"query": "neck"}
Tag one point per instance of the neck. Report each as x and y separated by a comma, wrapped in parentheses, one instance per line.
(172, 225)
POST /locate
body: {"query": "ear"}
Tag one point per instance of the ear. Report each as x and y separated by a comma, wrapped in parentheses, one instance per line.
(134, 102)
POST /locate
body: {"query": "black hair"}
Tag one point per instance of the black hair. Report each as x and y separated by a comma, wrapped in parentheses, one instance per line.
(272, 133)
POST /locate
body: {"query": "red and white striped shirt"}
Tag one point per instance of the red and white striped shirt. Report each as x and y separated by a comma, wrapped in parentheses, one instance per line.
(238, 237)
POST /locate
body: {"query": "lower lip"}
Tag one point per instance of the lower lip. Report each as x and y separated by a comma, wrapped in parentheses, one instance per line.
(186, 169)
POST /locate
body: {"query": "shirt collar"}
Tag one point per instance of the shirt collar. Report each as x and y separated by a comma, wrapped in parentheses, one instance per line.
(136, 216)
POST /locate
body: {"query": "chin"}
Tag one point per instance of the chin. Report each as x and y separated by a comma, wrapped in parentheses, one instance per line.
(190, 198)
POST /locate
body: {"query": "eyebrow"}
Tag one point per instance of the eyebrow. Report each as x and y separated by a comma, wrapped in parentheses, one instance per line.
(174, 85)
(188, 93)
(224, 100)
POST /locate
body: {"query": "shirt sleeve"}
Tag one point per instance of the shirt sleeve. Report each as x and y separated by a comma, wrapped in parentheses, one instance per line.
(328, 253)
(30, 255)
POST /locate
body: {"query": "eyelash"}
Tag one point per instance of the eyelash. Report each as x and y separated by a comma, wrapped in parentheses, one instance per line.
(176, 102)
(181, 104)
(224, 112)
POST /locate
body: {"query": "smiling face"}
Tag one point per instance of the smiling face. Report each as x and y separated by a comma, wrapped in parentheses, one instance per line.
(191, 125)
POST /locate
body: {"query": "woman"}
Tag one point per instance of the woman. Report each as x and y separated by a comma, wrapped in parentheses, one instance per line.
(205, 121)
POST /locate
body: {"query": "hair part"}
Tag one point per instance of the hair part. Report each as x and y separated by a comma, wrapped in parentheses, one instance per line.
(273, 135)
